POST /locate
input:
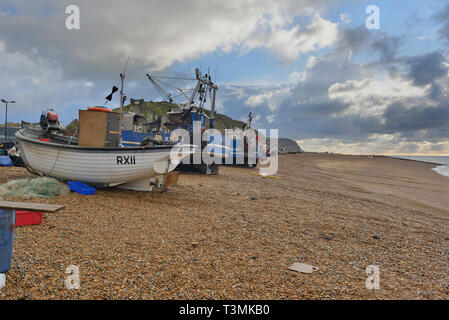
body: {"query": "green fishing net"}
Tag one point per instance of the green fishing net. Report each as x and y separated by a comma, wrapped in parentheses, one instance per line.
(34, 188)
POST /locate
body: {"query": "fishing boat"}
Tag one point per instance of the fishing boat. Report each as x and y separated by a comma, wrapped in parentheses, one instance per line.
(136, 129)
(97, 156)
(188, 114)
(229, 149)
(127, 167)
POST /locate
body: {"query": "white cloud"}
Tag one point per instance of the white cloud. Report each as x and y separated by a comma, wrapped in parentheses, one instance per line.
(425, 38)
(48, 65)
(35, 85)
(272, 97)
(385, 144)
(158, 33)
(290, 43)
(370, 97)
(254, 101)
(344, 18)
(295, 77)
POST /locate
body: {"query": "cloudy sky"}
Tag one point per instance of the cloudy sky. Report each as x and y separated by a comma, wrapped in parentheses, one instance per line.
(309, 68)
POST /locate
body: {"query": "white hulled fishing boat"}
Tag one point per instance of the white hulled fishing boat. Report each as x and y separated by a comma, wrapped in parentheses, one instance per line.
(99, 166)
(97, 157)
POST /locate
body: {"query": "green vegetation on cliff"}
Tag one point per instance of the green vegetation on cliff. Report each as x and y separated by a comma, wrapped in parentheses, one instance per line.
(151, 108)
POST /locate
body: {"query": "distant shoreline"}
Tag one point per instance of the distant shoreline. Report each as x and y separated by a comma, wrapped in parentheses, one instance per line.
(380, 156)
(420, 160)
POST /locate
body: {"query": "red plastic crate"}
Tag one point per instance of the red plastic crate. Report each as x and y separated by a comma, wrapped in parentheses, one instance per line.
(26, 218)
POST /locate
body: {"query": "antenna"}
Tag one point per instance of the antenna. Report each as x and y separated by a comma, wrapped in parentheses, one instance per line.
(124, 71)
(126, 65)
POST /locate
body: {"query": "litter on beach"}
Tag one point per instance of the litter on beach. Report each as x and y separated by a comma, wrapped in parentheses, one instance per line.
(258, 174)
(302, 267)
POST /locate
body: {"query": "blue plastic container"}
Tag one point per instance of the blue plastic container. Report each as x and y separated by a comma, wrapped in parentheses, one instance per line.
(80, 187)
(7, 222)
(5, 161)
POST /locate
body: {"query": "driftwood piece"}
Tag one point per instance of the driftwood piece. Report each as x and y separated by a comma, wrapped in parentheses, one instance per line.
(30, 206)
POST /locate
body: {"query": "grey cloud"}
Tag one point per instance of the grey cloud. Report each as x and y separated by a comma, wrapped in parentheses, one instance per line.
(388, 48)
(309, 113)
(354, 39)
(155, 33)
(442, 17)
(400, 118)
(361, 39)
(63, 60)
(48, 65)
(424, 69)
(322, 108)
(436, 91)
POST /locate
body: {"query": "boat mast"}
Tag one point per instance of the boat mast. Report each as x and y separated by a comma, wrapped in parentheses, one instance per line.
(212, 112)
(248, 122)
(207, 81)
(195, 91)
(122, 79)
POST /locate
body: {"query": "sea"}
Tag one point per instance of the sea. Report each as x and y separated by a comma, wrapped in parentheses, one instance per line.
(442, 161)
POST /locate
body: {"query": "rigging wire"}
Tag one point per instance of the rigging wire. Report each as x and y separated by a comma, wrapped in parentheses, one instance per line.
(174, 78)
(171, 93)
(172, 86)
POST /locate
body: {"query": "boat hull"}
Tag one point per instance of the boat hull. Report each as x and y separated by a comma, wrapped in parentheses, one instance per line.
(95, 166)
